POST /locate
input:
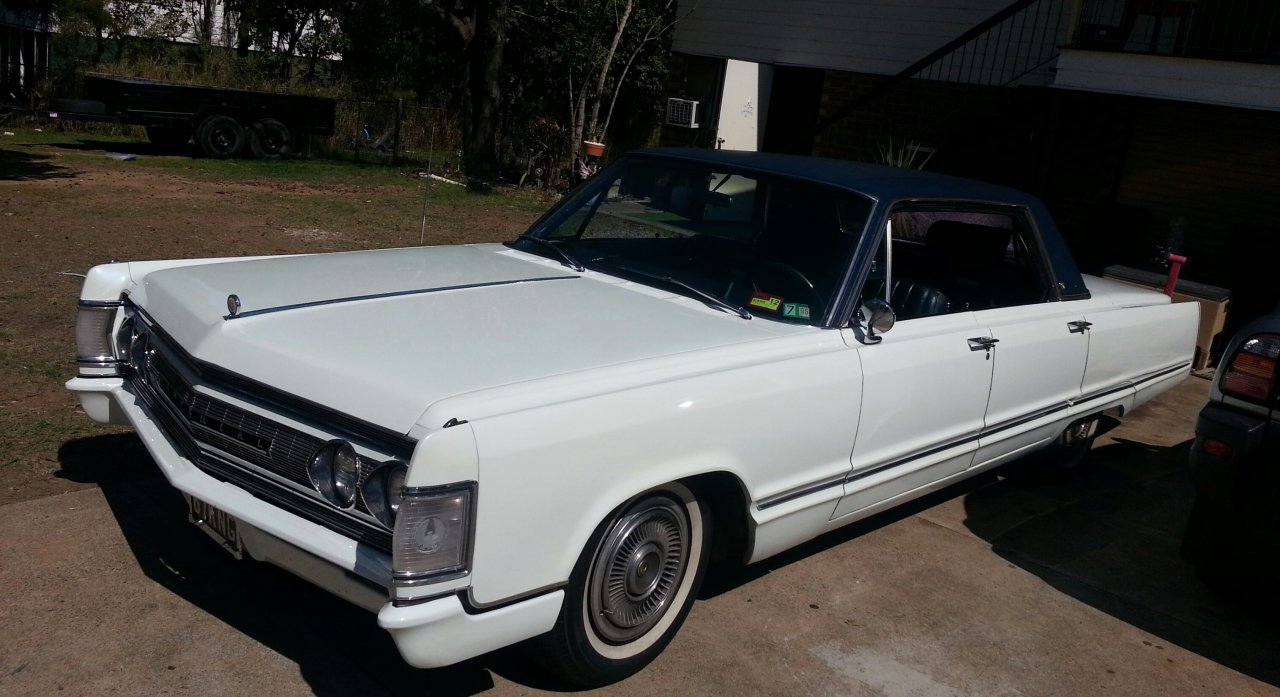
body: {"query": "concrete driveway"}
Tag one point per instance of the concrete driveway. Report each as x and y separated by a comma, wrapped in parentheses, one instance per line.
(1022, 583)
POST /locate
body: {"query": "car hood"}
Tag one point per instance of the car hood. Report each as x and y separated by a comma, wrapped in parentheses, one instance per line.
(382, 335)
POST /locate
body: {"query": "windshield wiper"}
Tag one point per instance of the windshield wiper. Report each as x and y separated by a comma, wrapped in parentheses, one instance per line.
(573, 263)
(713, 299)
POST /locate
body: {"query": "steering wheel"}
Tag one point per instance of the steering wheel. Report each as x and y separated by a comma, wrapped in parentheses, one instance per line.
(789, 277)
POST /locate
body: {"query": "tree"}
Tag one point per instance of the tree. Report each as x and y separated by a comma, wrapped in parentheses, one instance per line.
(481, 26)
(590, 49)
(121, 22)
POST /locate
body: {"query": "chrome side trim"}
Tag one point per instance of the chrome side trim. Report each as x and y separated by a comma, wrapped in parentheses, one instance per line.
(1161, 372)
(1131, 383)
(474, 607)
(801, 491)
(828, 482)
(410, 602)
(394, 294)
(1104, 392)
(1019, 420)
(931, 450)
(96, 362)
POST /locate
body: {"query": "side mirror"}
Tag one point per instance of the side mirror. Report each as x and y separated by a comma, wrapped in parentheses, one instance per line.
(875, 317)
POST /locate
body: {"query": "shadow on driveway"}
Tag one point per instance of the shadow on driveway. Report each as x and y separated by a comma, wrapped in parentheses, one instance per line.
(338, 647)
(1108, 534)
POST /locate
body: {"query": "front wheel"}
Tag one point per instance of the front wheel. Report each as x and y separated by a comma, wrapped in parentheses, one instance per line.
(631, 590)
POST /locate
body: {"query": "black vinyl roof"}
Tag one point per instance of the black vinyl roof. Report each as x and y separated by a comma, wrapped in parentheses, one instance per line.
(891, 184)
(878, 181)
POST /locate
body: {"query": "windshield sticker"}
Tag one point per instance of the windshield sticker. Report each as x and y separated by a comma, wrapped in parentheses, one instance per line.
(795, 310)
(765, 301)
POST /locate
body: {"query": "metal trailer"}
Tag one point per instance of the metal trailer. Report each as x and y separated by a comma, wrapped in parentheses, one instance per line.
(224, 122)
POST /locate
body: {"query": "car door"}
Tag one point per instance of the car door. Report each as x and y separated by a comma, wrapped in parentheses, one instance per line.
(1037, 364)
(1038, 345)
(923, 400)
(924, 387)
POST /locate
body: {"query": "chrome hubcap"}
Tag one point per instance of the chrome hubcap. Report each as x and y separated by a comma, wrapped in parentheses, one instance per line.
(637, 570)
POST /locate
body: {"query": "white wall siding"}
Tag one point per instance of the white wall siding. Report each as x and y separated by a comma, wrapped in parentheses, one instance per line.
(1246, 85)
(864, 36)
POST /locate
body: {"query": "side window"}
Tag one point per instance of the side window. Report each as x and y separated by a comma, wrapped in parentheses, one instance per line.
(958, 259)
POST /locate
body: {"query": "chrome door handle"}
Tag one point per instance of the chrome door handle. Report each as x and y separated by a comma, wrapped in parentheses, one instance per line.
(1078, 327)
(982, 343)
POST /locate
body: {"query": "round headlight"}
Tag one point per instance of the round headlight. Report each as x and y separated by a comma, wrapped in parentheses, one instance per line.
(335, 473)
(383, 491)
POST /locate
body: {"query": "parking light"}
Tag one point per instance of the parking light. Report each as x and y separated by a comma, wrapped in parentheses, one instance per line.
(432, 540)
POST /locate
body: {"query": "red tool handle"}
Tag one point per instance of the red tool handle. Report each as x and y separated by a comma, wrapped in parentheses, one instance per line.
(1175, 267)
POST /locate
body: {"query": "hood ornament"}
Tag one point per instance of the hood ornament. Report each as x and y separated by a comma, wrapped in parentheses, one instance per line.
(233, 305)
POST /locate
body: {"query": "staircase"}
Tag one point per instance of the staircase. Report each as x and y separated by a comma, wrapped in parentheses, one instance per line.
(1015, 46)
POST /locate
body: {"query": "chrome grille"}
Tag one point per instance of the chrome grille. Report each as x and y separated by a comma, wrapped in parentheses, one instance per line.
(271, 446)
(262, 452)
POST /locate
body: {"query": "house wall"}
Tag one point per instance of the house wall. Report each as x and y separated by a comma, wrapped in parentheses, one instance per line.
(987, 133)
(864, 36)
(1209, 176)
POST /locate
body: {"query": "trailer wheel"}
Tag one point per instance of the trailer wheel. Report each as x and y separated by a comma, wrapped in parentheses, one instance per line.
(169, 137)
(220, 136)
(269, 139)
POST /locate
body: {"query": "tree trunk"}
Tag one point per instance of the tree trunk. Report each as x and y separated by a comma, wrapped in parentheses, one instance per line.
(484, 84)
(604, 73)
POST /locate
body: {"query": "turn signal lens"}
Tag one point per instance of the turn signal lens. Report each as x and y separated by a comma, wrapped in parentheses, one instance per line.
(1251, 374)
(432, 540)
(94, 322)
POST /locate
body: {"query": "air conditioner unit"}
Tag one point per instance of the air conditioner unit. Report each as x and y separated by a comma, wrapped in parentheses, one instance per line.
(682, 112)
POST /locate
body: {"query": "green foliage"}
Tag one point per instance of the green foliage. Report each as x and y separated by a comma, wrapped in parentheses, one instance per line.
(555, 53)
(564, 45)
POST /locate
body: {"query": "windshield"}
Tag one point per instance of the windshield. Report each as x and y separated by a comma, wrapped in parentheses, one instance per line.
(774, 246)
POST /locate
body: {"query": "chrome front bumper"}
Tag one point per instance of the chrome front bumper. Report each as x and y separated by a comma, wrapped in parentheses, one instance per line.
(428, 634)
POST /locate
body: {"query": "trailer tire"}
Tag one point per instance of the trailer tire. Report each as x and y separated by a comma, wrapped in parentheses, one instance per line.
(269, 139)
(169, 137)
(220, 136)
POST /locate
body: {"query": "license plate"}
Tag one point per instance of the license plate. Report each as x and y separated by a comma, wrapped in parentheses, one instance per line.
(216, 523)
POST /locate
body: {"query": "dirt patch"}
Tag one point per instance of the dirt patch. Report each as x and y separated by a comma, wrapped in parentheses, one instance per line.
(62, 212)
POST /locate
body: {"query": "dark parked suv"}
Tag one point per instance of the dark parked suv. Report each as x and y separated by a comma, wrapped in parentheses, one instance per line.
(1233, 537)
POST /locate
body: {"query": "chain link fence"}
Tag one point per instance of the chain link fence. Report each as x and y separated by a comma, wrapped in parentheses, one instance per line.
(394, 133)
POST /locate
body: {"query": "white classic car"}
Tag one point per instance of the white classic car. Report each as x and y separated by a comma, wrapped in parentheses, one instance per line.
(693, 355)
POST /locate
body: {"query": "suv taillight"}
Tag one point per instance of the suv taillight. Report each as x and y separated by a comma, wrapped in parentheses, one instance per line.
(1251, 373)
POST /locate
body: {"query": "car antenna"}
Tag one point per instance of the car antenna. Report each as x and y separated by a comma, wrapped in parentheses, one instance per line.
(422, 234)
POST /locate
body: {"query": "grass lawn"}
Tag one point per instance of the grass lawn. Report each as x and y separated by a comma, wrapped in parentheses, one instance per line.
(67, 204)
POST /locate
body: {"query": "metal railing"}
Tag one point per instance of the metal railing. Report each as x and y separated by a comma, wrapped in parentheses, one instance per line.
(1235, 30)
(1014, 46)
